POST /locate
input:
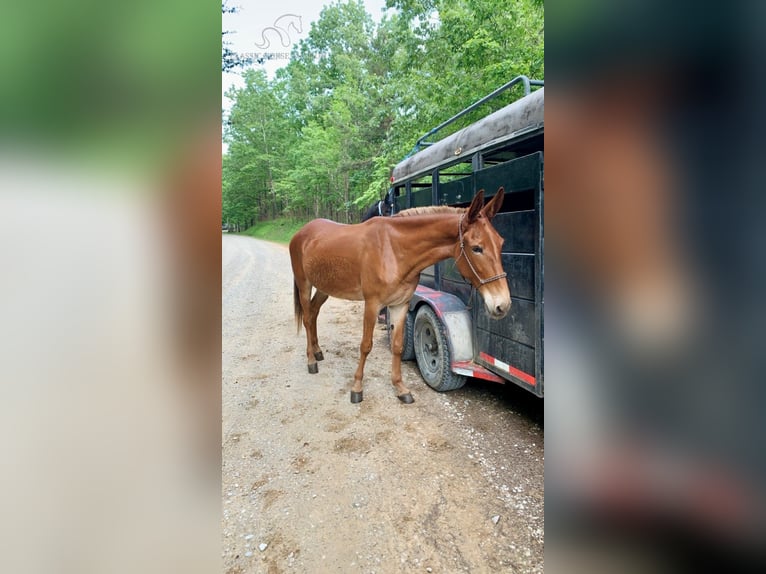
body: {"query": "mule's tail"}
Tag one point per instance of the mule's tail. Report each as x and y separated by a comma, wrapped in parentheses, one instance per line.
(298, 308)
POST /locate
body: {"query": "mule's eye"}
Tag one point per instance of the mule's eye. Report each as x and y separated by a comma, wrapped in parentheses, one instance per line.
(477, 249)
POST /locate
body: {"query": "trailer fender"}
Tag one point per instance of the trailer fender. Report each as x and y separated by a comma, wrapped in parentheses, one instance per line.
(455, 317)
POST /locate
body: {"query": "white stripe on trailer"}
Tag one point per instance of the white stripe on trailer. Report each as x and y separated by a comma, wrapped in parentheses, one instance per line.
(526, 377)
(464, 372)
(501, 365)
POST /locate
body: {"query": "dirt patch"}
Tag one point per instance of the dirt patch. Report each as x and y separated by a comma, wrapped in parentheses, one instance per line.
(351, 444)
(270, 497)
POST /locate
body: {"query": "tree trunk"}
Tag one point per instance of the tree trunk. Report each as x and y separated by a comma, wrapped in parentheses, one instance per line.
(345, 198)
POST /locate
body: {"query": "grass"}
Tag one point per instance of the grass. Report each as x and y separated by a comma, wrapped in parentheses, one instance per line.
(280, 230)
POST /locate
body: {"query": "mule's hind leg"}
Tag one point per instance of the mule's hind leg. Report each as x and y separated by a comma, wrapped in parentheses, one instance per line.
(317, 301)
(303, 298)
(370, 317)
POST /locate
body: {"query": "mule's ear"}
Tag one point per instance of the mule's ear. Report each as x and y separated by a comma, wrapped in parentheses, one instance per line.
(494, 204)
(475, 208)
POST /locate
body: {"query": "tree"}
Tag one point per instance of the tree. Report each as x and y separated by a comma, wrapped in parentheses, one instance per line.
(255, 132)
(230, 60)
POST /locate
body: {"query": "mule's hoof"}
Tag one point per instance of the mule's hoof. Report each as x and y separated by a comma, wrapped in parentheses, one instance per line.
(356, 397)
(319, 356)
(406, 398)
(313, 368)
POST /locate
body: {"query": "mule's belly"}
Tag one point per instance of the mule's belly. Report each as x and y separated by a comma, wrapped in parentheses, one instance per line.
(336, 276)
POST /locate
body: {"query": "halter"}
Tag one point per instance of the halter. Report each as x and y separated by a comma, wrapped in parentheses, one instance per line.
(463, 253)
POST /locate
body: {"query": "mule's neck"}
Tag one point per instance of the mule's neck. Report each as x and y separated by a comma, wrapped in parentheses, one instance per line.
(426, 239)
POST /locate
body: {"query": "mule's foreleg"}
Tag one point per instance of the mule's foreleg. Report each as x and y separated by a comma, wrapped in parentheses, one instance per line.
(397, 315)
(316, 303)
(370, 318)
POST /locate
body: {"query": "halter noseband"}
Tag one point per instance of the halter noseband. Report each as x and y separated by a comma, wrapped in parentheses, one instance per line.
(464, 254)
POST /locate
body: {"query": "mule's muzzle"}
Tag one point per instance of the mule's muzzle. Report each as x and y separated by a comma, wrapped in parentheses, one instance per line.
(500, 310)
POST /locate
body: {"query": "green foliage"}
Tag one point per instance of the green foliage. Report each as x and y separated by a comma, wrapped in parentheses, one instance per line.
(280, 230)
(321, 138)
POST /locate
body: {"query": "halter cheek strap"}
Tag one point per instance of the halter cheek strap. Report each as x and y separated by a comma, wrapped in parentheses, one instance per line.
(464, 254)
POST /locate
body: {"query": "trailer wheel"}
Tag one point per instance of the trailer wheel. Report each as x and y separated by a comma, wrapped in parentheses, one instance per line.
(432, 352)
(408, 348)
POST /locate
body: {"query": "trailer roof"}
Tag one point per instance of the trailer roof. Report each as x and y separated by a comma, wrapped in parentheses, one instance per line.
(523, 115)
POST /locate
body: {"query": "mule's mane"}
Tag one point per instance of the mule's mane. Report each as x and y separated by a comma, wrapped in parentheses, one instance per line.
(429, 210)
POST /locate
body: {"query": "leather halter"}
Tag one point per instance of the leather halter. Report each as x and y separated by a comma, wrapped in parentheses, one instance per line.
(463, 253)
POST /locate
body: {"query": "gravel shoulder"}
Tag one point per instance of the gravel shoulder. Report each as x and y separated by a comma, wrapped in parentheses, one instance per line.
(313, 483)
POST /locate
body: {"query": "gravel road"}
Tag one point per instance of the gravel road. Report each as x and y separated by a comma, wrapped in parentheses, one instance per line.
(313, 483)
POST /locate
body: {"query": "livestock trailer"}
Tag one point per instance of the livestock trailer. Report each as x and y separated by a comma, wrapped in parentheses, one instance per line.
(448, 331)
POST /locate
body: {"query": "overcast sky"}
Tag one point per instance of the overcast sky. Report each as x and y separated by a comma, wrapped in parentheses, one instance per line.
(263, 23)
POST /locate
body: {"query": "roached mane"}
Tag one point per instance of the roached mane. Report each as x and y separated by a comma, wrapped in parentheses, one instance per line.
(430, 210)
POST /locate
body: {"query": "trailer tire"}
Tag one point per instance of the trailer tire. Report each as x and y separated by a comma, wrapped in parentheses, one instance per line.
(432, 352)
(408, 348)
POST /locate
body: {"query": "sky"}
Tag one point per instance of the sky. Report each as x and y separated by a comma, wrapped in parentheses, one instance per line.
(271, 25)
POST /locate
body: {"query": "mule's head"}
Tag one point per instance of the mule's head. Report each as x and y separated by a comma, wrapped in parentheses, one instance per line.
(478, 254)
(385, 207)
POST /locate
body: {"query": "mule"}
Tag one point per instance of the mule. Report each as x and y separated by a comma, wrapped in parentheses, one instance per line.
(379, 262)
(380, 208)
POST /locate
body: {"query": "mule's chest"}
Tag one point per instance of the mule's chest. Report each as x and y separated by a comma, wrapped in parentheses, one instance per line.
(399, 294)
